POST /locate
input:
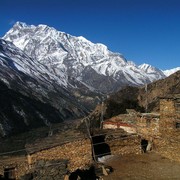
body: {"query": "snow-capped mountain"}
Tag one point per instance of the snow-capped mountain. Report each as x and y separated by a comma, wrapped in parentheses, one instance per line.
(153, 72)
(30, 84)
(66, 57)
(43, 68)
(32, 96)
(171, 71)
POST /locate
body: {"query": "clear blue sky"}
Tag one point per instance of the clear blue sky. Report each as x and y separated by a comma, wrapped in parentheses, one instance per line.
(145, 31)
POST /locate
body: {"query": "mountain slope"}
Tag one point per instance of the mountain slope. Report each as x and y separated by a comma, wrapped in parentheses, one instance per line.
(137, 97)
(77, 57)
(27, 74)
(19, 113)
(30, 81)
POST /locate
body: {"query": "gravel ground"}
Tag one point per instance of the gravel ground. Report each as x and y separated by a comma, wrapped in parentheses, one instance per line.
(144, 166)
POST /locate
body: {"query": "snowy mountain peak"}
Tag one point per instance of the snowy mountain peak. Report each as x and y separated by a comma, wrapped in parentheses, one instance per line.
(152, 71)
(20, 24)
(145, 66)
(148, 68)
(171, 71)
(83, 39)
(24, 25)
(92, 64)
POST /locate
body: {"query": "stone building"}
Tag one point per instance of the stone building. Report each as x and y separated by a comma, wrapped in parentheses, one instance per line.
(160, 129)
(170, 114)
(169, 126)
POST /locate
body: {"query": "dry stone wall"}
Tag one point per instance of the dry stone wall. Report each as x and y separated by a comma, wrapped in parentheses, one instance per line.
(122, 146)
(18, 162)
(169, 142)
(168, 147)
(148, 127)
(167, 118)
(70, 156)
(51, 170)
(78, 154)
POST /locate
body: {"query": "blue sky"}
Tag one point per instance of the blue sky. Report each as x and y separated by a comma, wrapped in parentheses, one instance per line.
(144, 31)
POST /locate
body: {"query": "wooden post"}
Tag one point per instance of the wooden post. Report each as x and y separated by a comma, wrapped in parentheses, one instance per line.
(29, 160)
(66, 177)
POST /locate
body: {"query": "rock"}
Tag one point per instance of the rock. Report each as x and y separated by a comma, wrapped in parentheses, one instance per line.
(104, 171)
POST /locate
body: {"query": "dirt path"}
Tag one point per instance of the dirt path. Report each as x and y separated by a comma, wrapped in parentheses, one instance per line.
(145, 166)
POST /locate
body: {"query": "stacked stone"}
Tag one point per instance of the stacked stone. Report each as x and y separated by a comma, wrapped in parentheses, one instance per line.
(19, 163)
(78, 153)
(50, 170)
(169, 143)
(129, 145)
(169, 148)
(151, 130)
(167, 116)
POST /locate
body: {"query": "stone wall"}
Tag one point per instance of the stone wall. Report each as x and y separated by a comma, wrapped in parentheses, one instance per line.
(169, 142)
(148, 127)
(167, 118)
(126, 145)
(77, 154)
(18, 162)
(168, 148)
(51, 170)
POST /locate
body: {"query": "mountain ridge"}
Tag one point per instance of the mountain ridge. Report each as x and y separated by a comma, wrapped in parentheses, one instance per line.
(142, 99)
(34, 86)
(171, 71)
(71, 55)
(149, 96)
